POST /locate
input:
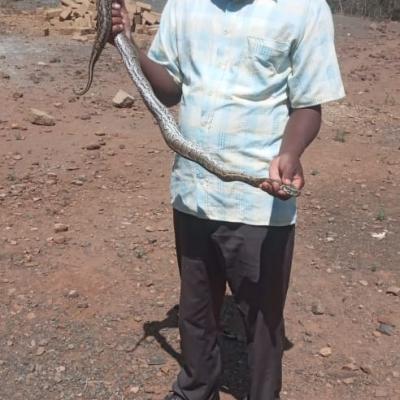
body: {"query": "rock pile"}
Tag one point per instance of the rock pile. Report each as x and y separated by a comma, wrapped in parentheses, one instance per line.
(78, 17)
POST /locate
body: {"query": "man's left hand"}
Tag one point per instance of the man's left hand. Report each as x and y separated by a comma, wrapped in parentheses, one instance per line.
(284, 169)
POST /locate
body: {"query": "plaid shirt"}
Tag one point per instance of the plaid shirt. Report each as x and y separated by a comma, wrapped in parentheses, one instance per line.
(240, 63)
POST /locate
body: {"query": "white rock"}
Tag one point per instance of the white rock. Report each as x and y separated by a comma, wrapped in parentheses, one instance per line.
(123, 99)
(38, 117)
(325, 352)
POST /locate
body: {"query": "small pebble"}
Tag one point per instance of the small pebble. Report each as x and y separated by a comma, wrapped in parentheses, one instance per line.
(394, 290)
(385, 329)
(325, 352)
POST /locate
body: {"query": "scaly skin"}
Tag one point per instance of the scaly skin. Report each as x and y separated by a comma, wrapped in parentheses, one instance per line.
(103, 31)
(166, 121)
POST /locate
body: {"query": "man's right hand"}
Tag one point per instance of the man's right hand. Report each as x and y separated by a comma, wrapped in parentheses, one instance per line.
(164, 86)
(120, 20)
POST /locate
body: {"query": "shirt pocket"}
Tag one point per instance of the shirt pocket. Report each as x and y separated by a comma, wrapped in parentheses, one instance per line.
(267, 55)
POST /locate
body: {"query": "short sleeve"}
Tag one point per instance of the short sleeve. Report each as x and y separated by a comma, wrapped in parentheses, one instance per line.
(315, 77)
(164, 48)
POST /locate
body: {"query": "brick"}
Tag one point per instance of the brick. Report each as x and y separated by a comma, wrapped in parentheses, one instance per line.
(131, 7)
(139, 29)
(156, 15)
(52, 13)
(143, 6)
(149, 18)
(137, 19)
(65, 14)
(66, 30)
(80, 11)
(68, 3)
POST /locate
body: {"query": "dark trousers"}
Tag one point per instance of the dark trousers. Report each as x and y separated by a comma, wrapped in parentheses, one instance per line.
(255, 261)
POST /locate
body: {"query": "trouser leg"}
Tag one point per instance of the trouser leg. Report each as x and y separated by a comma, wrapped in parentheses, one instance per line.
(258, 269)
(202, 291)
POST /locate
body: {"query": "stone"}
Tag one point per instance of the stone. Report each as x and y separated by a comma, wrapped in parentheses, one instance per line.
(325, 352)
(350, 367)
(40, 350)
(93, 146)
(156, 360)
(58, 227)
(17, 95)
(317, 308)
(394, 290)
(373, 26)
(134, 389)
(348, 381)
(52, 13)
(68, 3)
(379, 235)
(58, 378)
(386, 329)
(78, 182)
(38, 117)
(150, 18)
(73, 294)
(143, 6)
(366, 368)
(123, 99)
(65, 14)
(60, 239)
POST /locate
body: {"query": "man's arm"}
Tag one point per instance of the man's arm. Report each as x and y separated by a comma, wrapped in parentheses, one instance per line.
(164, 86)
(302, 128)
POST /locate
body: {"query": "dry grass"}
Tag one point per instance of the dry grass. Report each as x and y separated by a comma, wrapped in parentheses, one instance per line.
(368, 8)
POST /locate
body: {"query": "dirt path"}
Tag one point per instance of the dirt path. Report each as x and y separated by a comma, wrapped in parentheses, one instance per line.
(89, 312)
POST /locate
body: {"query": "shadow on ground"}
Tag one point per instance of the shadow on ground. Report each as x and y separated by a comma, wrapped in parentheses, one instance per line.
(235, 378)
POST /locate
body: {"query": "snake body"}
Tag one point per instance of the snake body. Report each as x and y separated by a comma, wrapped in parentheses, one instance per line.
(165, 120)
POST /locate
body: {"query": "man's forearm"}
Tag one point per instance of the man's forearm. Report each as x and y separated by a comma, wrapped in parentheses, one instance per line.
(164, 87)
(302, 128)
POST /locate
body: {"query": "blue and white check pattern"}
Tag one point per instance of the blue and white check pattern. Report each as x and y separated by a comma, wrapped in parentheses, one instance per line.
(240, 64)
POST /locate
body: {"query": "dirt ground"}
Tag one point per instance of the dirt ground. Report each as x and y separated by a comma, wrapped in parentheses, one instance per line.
(90, 312)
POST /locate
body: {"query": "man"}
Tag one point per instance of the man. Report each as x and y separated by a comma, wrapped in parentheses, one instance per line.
(250, 77)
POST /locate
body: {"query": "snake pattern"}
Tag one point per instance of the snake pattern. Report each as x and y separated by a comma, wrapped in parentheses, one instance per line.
(168, 126)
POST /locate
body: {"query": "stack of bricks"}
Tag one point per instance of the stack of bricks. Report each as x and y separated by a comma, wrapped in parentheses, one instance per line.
(73, 17)
(144, 19)
(78, 17)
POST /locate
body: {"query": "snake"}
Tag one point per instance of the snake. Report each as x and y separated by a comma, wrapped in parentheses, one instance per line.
(169, 128)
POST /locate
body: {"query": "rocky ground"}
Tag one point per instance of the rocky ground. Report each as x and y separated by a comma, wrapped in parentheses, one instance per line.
(88, 280)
